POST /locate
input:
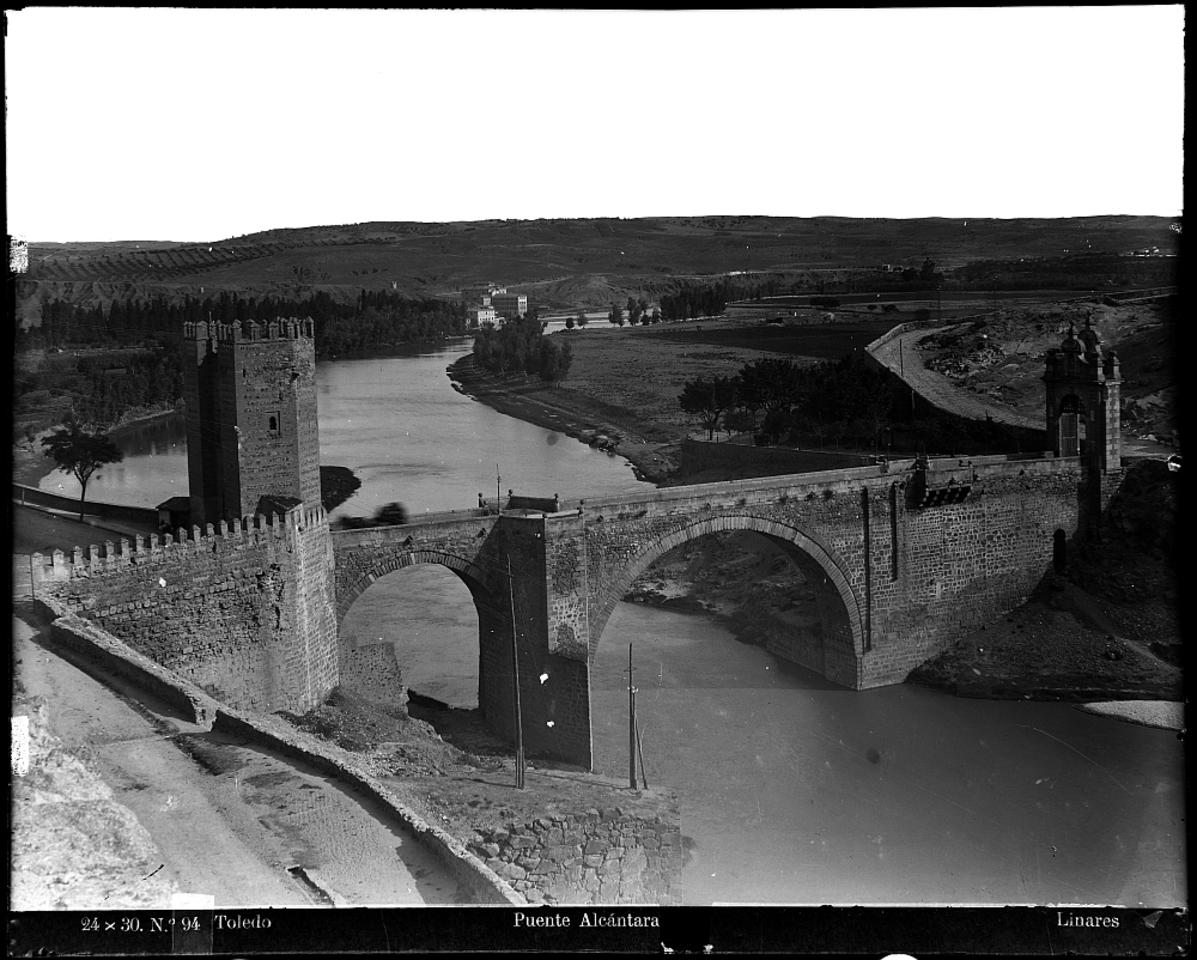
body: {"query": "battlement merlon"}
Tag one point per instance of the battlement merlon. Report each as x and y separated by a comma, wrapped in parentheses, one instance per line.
(109, 557)
(250, 331)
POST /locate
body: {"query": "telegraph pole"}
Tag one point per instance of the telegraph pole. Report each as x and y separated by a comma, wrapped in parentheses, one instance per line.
(515, 684)
(631, 724)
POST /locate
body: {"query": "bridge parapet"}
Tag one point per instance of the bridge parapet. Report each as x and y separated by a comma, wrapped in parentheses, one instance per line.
(781, 488)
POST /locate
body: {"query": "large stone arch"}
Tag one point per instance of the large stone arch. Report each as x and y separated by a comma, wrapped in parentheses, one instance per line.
(473, 576)
(793, 538)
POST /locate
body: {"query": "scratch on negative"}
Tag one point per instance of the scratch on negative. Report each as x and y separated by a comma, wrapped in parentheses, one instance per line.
(152, 872)
(1079, 754)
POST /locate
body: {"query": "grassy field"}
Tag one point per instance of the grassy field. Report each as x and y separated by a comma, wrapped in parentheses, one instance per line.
(624, 383)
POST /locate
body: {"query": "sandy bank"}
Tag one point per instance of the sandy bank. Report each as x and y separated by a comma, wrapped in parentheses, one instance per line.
(1165, 714)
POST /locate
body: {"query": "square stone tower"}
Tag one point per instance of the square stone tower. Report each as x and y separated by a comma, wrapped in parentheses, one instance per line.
(250, 392)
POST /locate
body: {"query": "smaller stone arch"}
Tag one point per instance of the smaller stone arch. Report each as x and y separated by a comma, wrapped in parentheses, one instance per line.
(783, 532)
(473, 576)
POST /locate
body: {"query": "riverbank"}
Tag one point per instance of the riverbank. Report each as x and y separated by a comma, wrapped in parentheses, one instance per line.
(30, 465)
(653, 456)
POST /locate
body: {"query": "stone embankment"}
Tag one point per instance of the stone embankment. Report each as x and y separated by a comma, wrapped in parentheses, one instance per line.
(602, 856)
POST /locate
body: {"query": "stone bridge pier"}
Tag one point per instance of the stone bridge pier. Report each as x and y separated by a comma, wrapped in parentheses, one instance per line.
(512, 616)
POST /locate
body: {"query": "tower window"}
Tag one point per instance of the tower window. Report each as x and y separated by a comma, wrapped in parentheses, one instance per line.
(272, 425)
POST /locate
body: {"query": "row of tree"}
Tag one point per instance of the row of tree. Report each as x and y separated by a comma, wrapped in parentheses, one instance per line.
(102, 389)
(520, 346)
(375, 320)
(636, 311)
(775, 398)
(697, 300)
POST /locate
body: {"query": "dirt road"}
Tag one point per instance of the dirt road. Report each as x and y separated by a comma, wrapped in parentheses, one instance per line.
(229, 820)
(901, 355)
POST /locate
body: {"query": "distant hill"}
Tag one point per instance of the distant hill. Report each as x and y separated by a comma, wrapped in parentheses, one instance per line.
(560, 263)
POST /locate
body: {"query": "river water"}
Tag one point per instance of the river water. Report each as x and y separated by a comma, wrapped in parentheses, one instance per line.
(409, 437)
(792, 790)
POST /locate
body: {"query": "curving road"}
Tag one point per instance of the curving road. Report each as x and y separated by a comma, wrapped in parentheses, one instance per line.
(901, 355)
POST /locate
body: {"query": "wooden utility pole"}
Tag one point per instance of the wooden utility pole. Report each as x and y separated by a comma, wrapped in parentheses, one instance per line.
(640, 750)
(515, 685)
(631, 724)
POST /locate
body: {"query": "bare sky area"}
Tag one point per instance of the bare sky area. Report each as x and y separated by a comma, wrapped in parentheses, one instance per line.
(193, 124)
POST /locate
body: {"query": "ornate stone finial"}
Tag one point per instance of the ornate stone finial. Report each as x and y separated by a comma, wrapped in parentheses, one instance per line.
(1071, 344)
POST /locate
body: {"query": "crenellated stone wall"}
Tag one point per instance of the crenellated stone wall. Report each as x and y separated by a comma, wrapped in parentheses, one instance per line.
(243, 609)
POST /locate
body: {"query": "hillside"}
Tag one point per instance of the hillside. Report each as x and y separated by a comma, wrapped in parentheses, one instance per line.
(1001, 356)
(566, 264)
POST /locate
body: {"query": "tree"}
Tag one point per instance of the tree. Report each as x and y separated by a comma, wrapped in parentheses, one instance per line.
(582, 318)
(615, 315)
(81, 453)
(569, 323)
(772, 384)
(708, 400)
(554, 360)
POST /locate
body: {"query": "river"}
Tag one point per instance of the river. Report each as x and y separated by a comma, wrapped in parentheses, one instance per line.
(409, 437)
(792, 790)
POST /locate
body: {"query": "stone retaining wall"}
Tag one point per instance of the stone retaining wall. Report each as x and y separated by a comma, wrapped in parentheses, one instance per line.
(99, 648)
(21, 493)
(607, 856)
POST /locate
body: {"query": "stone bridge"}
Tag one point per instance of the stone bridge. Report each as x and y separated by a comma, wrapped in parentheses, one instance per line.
(904, 558)
(910, 556)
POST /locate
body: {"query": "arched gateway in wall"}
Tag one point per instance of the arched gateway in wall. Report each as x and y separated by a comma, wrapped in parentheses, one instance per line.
(836, 656)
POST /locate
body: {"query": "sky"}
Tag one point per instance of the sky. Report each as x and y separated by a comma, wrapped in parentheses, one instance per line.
(198, 125)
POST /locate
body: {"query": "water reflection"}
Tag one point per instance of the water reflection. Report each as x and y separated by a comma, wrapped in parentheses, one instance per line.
(797, 791)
